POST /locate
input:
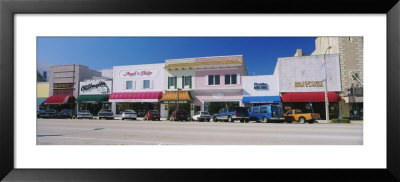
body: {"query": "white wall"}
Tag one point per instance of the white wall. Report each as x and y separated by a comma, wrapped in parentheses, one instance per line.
(94, 90)
(271, 80)
(120, 77)
(308, 68)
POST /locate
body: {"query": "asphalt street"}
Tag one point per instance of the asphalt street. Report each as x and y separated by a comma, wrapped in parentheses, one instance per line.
(130, 132)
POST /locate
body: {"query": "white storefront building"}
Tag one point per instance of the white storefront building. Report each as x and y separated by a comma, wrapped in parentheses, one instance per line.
(93, 94)
(138, 87)
(262, 89)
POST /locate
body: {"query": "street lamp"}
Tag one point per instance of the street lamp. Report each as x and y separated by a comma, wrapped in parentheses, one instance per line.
(177, 103)
(326, 89)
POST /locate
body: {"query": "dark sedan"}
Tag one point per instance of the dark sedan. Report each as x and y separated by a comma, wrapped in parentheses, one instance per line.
(106, 113)
(67, 113)
(49, 113)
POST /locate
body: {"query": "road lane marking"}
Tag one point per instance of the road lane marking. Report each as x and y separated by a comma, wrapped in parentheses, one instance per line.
(104, 139)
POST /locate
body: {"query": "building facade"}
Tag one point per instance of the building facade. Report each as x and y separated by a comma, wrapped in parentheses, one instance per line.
(219, 82)
(138, 87)
(179, 84)
(351, 52)
(42, 93)
(260, 90)
(93, 94)
(64, 85)
(301, 83)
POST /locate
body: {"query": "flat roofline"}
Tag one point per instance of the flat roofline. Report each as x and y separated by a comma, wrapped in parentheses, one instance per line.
(307, 56)
(205, 57)
(140, 65)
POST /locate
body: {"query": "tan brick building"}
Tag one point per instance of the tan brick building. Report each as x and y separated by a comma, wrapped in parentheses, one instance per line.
(350, 50)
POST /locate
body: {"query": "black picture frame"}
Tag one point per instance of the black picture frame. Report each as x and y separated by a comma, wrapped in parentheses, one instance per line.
(8, 8)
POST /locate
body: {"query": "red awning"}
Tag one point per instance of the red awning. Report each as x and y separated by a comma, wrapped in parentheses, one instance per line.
(60, 99)
(310, 97)
(135, 96)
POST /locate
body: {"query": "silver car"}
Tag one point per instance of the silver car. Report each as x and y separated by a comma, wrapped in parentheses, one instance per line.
(84, 114)
(129, 114)
(201, 116)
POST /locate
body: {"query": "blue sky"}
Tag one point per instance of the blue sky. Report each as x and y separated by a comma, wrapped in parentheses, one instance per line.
(260, 53)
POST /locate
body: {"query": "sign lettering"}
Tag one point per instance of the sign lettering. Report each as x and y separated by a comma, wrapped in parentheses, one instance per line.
(308, 84)
(101, 87)
(63, 85)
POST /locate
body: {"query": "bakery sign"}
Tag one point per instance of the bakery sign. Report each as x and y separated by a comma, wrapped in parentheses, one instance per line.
(308, 84)
(95, 87)
(145, 73)
(63, 85)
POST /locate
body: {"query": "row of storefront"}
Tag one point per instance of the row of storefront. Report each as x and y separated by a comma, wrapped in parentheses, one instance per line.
(200, 84)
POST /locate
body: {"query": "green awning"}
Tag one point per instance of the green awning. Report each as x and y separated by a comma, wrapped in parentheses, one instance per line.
(92, 98)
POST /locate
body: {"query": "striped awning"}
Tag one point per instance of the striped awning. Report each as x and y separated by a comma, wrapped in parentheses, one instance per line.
(172, 97)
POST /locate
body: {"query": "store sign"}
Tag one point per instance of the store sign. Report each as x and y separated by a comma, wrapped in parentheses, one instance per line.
(217, 95)
(308, 84)
(95, 87)
(174, 102)
(63, 85)
(138, 73)
(261, 86)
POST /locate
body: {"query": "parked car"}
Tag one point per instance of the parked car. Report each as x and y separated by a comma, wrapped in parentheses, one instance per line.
(49, 113)
(129, 114)
(105, 113)
(201, 116)
(231, 114)
(298, 115)
(84, 114)
(179, 115)
(266, 113)
(38, 113)
(67, 113)
(152, 115)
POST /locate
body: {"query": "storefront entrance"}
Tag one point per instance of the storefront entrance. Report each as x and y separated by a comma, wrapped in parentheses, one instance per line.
(214, 107)
(182, 106)
(94, 108)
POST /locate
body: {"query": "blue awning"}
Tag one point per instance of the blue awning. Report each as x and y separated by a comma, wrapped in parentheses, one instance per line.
(261, 99)
(40, 100)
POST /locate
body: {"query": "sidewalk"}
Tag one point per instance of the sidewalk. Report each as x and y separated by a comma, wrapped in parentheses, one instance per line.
(351, 121)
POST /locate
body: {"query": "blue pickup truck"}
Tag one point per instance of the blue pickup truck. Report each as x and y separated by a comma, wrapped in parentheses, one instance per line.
(231, 114)
(266, 113)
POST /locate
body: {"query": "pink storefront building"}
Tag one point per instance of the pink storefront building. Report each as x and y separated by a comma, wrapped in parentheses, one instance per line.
(218, 82)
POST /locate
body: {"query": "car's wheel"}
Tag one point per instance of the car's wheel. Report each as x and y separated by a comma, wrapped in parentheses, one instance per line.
(215, 119)
(247, 120)
(230, 119)
(134, 118)
(302, 120)
(242, 120)
(265, 119)
(123, 118)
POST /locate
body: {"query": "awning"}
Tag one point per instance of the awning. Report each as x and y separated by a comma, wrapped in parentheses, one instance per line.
(171, 97)
(261, 99)
(60, 99)
(310, 97)
(135, 97)
(40, 100)
(91, 98)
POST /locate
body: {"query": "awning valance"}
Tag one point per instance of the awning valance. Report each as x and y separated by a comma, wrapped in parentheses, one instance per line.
(91, 98)
(261, 99)
(135, 97)
(310, 97)
(60, 99)
(172, 97)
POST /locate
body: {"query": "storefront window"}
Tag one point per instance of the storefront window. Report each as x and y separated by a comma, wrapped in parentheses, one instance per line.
(213, 80)
(146, 83)
(233, 79)
(187, 80)
(210, 79)
(230, 79)
(128, 84)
